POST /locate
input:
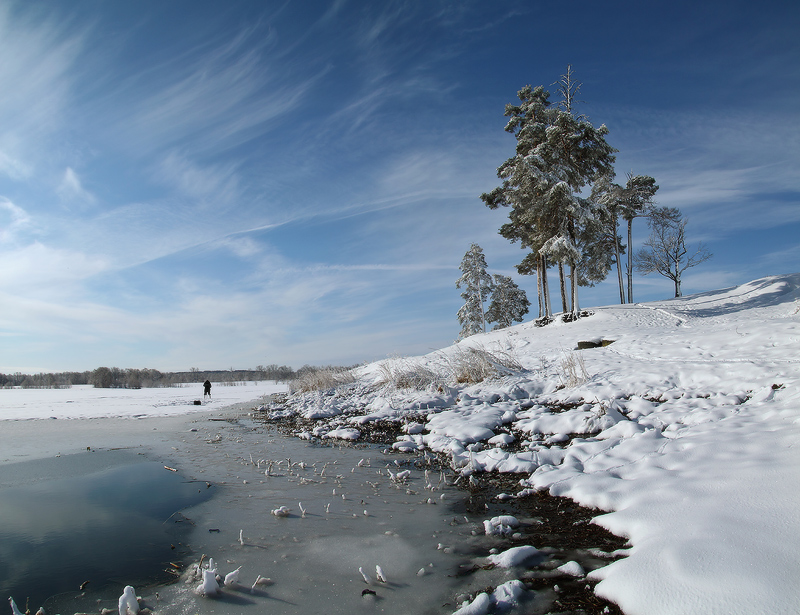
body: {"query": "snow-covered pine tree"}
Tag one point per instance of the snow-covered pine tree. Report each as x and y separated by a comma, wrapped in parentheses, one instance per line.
(599, 246)
(477, 284)
(509, 303)
(557, 154)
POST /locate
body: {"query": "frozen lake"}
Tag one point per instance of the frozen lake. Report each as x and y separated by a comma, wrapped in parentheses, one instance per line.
(357, 516)
(97, 504)
(61, 526)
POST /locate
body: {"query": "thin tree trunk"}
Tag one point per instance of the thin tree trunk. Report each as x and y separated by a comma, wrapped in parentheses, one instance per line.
(630, 261)
(548, 309)
(480, 302)
(573, 299)
(574, 291)
(540, 285)
(563, 288)
(619, 266)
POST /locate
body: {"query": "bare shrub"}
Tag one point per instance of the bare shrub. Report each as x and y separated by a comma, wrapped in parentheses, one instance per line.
(408, 374)
(572, 370)
(321, 379)
(475, 364)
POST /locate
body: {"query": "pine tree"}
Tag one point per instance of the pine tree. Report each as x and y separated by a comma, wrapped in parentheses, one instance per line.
(608, 196)
(478, 286)
(636, 200)
(509, 303)
(557, 154)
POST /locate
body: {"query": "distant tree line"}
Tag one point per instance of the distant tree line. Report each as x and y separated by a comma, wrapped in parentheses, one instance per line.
(118, 378)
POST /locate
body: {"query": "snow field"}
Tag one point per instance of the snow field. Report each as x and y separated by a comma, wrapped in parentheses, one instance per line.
(87, 402)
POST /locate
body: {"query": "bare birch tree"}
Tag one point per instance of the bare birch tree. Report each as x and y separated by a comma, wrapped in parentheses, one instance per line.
(665, 251)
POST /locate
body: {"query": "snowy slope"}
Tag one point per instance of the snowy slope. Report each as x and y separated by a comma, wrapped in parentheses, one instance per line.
(685, 429)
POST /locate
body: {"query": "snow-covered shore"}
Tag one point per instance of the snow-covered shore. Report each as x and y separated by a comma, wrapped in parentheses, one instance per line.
(683, 426)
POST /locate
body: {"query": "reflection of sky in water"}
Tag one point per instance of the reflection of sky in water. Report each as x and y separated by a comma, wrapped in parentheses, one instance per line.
(104, 527)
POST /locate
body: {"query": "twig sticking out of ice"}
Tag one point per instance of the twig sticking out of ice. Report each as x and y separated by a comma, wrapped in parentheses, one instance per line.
(14, 609)
(128, 604)
(302, 510)
(379, 574)
(260, 581)
(232, 578)
(399, 477)
(365, 576)
(241, 537)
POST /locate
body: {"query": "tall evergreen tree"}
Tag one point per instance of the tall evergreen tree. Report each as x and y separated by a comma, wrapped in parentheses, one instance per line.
(509, 303)
(636, 201)
(477, 284)
(557, 154)
(608, 196)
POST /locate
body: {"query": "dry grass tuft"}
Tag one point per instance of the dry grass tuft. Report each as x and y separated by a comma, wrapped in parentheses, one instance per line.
(409, 374)
(322, 379)
(573, 370)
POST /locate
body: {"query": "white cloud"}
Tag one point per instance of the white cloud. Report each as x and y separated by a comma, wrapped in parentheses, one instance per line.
(13, 219)
(13, 168)
(37, 268)
(71, 189)
(39, 56)
(211, 184)
(214, 98)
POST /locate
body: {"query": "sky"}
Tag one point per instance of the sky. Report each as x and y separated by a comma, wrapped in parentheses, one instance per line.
(227, 185)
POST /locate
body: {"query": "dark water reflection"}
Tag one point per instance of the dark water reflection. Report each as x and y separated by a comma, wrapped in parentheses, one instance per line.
(118, 526)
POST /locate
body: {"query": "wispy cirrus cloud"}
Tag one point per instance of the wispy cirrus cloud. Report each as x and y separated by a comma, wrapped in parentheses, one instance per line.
(214, 98)
(38, 71)
(13, 219)
(71, 188)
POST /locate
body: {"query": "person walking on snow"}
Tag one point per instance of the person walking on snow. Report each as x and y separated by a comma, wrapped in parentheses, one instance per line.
(207, 389)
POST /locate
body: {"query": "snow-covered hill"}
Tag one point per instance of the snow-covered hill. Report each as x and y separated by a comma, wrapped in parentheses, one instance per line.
(684, 427)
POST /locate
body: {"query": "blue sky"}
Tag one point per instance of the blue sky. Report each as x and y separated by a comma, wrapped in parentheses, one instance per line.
(206, 184)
